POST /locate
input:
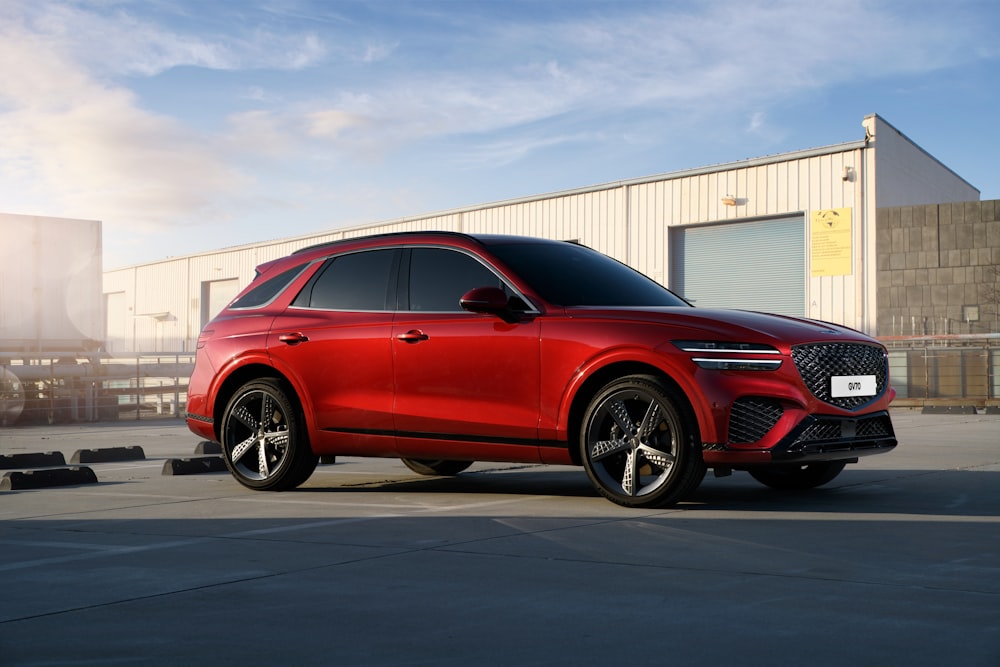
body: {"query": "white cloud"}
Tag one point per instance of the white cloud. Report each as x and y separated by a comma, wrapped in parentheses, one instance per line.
(330, 123)
(112, 39)
(374, 53)
(652, 57)
(73, 146)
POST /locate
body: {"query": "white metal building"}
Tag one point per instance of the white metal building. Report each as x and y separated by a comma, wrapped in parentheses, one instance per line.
(791, 233)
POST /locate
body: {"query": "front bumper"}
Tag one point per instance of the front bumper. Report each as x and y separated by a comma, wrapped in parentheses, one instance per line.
(816, 438)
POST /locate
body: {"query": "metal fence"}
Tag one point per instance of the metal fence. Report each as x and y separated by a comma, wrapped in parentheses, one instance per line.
(69, 389)
(945, 368)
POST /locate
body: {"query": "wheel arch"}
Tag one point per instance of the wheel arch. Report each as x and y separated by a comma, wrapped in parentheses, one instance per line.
(589, 388)
(238, 378)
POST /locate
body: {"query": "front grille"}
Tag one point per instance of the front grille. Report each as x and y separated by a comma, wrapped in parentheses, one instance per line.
(751, 418)
(819, 362)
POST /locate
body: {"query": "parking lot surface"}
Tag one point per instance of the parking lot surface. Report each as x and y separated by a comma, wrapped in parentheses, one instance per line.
(895, 562)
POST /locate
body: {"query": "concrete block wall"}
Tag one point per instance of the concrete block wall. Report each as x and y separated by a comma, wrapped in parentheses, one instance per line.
(938, 264)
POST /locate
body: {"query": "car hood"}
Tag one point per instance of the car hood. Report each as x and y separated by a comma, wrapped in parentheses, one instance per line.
(723, 324)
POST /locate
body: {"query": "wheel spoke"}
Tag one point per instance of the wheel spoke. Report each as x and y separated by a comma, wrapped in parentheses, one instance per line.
(657, 457)
(278, 440)
(262, 467)
(243, 416)
(619, 413)
(267, 409)
(651, 420)
(630, 478)
(605, 448)
(242, 448)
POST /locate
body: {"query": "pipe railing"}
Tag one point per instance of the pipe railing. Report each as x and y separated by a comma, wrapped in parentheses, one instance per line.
(69, 389)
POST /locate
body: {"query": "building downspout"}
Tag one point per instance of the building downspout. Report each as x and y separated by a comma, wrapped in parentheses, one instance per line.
(869, 319)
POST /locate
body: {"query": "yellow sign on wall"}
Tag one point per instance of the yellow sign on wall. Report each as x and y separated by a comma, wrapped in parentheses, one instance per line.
(830, 244)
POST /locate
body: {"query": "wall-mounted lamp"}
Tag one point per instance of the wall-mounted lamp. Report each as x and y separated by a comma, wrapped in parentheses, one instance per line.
(848, 174)
(729, 200)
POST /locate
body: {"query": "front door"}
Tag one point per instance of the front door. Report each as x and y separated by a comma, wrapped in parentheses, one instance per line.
(468, 379)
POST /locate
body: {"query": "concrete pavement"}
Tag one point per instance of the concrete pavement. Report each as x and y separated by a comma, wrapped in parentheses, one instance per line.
(895, 562)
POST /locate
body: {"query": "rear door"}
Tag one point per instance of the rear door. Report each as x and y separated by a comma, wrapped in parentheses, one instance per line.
(334, 341)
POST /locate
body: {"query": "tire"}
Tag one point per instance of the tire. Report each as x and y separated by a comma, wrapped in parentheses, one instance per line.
(442, 467)
(637, 444)
(798, 477)
(263, 437)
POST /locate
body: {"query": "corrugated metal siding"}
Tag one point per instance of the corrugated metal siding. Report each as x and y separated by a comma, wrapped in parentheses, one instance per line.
(596, 219)
(908, 175)
(627, 220)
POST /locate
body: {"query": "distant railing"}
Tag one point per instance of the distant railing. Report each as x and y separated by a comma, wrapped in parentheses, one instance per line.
(943, 368)
(70, 389)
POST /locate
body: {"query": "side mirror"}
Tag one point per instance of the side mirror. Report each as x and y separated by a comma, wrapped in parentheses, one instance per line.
(491, 300)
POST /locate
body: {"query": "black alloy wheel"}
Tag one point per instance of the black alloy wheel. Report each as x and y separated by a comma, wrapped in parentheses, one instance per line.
(263, 437)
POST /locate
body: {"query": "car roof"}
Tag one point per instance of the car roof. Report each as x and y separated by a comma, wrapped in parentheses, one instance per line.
(389, 239)
(395, 238)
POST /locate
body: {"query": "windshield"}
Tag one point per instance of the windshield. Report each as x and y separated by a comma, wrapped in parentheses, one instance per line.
(567, 274)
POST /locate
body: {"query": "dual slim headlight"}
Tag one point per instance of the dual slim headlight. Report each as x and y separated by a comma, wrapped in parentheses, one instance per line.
(730, 356)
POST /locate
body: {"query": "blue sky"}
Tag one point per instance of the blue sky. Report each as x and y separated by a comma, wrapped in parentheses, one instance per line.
(187, 126)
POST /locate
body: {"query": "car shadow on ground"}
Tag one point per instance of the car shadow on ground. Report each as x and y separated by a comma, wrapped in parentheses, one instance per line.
(854, 491)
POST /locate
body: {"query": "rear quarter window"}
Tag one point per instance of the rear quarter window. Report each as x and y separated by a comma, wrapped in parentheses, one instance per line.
(268, 290)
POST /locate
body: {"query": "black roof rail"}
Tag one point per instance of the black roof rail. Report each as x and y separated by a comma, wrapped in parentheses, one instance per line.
(328, 244)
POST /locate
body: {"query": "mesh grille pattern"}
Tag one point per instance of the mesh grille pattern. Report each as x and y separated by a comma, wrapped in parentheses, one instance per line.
(818, 363)
(751, 418)
(876, 427)
(825, 430)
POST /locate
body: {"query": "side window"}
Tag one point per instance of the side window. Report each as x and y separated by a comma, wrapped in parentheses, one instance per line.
(439, 278)
(265, 292)
(359, 281)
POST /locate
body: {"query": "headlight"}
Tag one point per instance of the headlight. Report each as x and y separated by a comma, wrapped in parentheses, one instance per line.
(725, 361)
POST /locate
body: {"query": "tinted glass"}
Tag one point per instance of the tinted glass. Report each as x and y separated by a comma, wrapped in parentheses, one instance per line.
(439, 278)
(267, 290)
(359, 281)
(573, 275)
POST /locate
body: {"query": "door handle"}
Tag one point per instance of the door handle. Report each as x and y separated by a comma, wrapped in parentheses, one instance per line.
(293, 338)
(412, 336)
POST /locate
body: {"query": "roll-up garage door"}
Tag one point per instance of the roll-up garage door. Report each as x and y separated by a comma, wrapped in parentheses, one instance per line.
(756, 265)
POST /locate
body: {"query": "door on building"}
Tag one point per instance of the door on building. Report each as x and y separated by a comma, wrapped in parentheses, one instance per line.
(757, 265)
(216, 295)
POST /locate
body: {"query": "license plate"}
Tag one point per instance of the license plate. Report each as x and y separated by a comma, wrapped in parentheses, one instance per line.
(842, 386)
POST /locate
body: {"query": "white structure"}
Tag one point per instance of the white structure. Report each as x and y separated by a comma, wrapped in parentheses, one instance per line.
(50, 287)
(791, 233)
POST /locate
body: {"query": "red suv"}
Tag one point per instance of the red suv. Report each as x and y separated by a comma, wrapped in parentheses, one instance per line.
(443, 349)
